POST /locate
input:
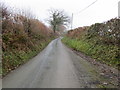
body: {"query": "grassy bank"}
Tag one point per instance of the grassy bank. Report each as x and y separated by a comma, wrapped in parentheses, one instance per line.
(14, 58)
(101, 41)
(108, 54)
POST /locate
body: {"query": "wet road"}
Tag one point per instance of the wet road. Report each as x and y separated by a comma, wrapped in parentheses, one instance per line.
(55, 67)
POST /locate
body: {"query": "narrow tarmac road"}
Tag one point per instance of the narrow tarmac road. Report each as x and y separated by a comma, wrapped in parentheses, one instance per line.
(55, 67)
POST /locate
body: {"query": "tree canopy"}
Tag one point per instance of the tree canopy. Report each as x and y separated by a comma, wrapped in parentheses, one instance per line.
(58, 18)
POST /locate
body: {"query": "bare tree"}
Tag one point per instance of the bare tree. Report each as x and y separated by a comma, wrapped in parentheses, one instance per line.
(58, 18)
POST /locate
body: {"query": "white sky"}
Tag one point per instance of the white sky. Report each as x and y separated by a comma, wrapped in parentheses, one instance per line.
(101, 11)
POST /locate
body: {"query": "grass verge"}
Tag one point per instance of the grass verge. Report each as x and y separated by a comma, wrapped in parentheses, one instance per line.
(108, 54)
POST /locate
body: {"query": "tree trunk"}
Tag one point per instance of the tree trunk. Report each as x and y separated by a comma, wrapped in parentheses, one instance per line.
(54, 28)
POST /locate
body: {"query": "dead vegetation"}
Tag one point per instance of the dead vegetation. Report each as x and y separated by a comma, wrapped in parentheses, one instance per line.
(23, 37)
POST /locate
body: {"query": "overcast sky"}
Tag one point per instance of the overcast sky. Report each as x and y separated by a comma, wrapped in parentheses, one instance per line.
(100, 11)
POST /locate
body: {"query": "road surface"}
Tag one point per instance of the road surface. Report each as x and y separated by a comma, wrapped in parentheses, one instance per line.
(55, 67)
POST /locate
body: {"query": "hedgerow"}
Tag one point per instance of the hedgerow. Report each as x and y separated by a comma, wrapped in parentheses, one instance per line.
(23, 37)
(101, 41)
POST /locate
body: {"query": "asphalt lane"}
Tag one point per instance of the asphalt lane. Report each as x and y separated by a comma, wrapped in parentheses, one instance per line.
(55, 67)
